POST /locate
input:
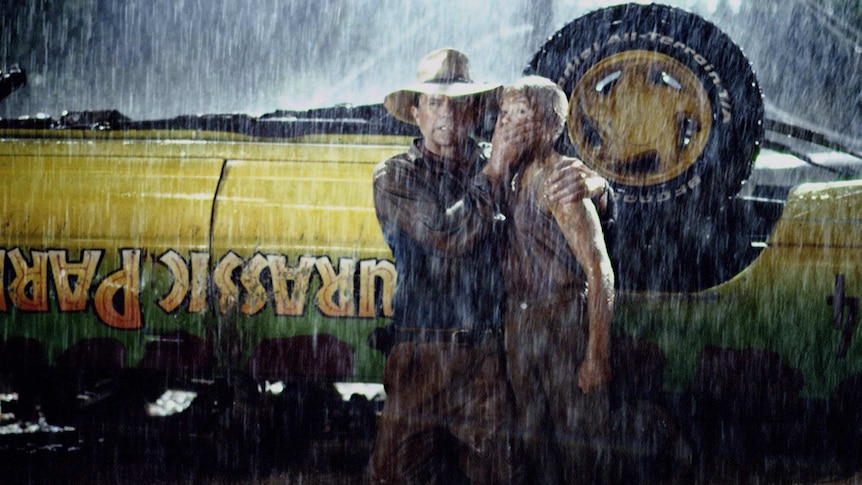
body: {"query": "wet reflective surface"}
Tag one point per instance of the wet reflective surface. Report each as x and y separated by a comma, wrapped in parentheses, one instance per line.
(330, 461)
(118, 445)
(51, 457)
(159, 452)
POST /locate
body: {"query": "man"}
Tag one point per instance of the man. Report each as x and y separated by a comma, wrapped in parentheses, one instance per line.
(560, 295)
(447, 414)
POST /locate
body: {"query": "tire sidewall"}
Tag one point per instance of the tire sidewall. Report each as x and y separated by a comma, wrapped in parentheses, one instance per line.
(718, 64)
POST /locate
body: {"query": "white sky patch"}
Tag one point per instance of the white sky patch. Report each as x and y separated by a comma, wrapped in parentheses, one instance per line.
(708, 6)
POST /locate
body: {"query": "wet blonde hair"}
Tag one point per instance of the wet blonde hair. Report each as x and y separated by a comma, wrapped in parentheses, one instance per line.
(545, 97)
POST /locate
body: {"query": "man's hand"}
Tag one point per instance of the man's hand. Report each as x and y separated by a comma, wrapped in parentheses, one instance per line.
(508, 145)
(593, 374)
(572, 181)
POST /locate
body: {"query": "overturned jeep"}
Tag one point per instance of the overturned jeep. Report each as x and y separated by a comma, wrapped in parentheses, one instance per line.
(238, 258)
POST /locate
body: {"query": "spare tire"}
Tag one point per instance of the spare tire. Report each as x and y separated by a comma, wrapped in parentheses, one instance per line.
(662, 103)
(667, 108)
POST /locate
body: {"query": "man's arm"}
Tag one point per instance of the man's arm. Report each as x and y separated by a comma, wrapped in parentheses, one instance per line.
(572, 181)
(408, 204)
(580, 225)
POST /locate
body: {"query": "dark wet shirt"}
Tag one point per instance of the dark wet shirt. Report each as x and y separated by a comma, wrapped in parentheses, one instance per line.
(438, 217)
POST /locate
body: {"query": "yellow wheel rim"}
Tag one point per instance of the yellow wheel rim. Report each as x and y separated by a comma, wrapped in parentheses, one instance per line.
(639, 118)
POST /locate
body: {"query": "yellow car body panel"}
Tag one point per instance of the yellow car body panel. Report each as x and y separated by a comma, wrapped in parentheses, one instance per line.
(121, 236)
(238, 239)
(780, 302)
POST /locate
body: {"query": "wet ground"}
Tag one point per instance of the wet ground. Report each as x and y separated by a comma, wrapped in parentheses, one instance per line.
(166, 453)
(60, 457)
(327, 461)
(163, 451)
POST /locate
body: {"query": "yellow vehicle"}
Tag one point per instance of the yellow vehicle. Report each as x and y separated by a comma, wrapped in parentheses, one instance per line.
(239, 258)
(128, 234)
(193, 252)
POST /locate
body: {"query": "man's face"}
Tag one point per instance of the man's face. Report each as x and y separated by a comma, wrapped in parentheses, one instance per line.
(445, 123)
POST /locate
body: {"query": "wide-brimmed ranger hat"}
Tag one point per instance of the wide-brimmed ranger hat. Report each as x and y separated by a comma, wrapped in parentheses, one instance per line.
(443, 71)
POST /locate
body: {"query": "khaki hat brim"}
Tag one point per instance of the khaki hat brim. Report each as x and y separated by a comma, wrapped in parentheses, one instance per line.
(399, 103)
